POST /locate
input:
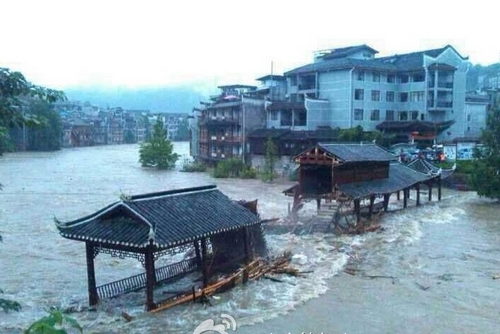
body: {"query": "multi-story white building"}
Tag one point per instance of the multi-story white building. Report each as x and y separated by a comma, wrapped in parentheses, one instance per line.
(419, 95)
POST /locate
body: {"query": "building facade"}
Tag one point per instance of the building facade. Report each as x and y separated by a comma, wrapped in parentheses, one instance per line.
(221, 126)
(347, 87)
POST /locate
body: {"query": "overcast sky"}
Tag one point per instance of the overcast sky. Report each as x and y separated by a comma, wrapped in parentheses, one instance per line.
(143, 43)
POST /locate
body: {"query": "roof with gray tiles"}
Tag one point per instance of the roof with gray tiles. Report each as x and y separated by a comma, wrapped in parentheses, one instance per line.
(169, 218)
(400, 177)
(358, 152)
(403, 62)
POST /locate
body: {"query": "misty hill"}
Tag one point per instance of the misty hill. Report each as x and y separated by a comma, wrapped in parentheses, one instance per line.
(478, 73)
(174, 99)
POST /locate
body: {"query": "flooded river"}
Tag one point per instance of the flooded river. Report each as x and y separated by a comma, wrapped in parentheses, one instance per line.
(431, 269)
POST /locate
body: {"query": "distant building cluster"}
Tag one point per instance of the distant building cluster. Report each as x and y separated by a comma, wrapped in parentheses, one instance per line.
(87, 125)
(415, 97)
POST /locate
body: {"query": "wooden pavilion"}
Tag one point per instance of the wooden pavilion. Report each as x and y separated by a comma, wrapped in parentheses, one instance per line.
(356, 172)
(145, 227)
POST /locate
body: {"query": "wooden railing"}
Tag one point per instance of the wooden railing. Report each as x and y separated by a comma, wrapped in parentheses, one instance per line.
(137, 282)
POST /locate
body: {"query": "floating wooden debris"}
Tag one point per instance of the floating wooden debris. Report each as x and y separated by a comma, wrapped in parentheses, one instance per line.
(252, 271)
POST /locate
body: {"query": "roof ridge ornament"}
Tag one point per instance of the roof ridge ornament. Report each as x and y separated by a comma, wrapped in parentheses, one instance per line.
(124, 197)
(151, 235)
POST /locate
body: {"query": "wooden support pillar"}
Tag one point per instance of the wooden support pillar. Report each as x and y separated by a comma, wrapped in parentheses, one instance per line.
(405, 197)
(370, 208)
(246, 245)
(399, 197)
(430, 191)
(93, 296)
(149, 263)
(386, 201)
(198, 254)
(318, 203)
(204, 261)
(357, 209)
(418, 193)
(439, 188)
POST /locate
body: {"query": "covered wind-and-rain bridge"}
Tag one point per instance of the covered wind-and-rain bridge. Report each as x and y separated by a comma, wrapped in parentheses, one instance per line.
(357, 172)
(218, 230)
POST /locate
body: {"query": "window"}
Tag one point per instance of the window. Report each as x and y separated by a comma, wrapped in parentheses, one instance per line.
(468, 128)
(389, 115)
(274, 115)
(422, 117)
(375, 95)
(420, 77)
(403, 97)
(375, 115)
(414, 115)
(391, 78)
(403, 115)
(468, 118)
(416, 96)
(361, 76)
(293, 81)
(358, 114)
(389, 96)
(358, 94)
(376, 76)
(403, 78)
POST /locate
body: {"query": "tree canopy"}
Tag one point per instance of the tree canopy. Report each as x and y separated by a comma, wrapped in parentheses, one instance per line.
(485, 177)
(158, 151)
(270, 159)
(16, 96)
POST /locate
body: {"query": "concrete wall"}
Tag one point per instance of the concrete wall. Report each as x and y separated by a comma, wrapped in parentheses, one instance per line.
(318, 113)
(450, 57)
(476, 114)
(336, 87)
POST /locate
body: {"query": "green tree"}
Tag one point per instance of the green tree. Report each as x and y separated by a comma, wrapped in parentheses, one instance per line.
(268, 172)
(128, 137)
(158, 151)
(15, 95)
(47, 135)
(485, 177)
(54, 323)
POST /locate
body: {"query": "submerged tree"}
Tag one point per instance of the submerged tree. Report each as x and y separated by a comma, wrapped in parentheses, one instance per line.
(270, 158)
(485, 176)
(158, 151)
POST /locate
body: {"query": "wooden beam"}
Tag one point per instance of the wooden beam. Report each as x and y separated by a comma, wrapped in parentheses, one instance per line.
(357, 209)
(405, 197)
(386, 201)
(246, 246)
(204, 261)
(370, 209)
(198, 253)
(92, 289)
(418, 193)
(398, 195)
(430, 191)
(149, 263)
(439, 188)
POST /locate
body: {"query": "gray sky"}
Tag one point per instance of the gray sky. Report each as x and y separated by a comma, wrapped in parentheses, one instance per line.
(143, 43)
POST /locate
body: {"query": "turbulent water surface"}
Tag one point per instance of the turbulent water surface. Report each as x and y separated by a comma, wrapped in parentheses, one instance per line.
(430, 269)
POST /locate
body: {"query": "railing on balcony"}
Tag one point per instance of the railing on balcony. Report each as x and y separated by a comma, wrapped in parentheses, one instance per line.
(444, 104)
(137, 282)
(445, 84)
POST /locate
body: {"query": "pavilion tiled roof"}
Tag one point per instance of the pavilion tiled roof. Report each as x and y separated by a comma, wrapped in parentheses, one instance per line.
(358, 152)
(169, 218)
(401, 177)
